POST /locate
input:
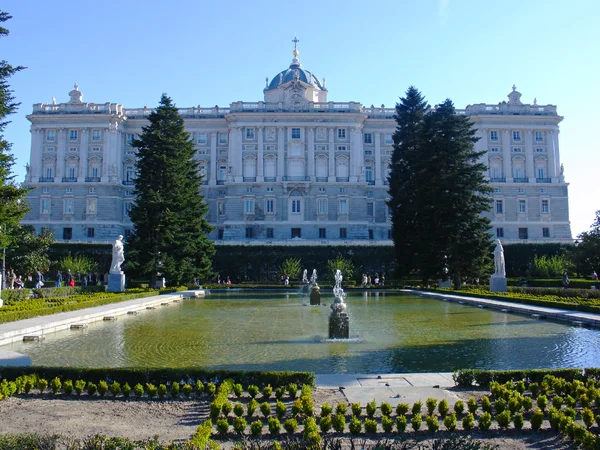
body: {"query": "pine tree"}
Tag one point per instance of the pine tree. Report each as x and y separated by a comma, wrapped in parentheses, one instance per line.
(437, 192)
(169, 215)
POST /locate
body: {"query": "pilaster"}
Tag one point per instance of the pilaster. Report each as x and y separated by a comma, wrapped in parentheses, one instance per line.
(530, 170)
(280, 152)
(114, 155)
(357, 159)
(377, 168)
(36, 163)
(235, 153)
(83, 154)
(331, 155)
(310, 139)
(213, 159)
(555, 172)
(60, 154)
(506, 156)
(260, 154)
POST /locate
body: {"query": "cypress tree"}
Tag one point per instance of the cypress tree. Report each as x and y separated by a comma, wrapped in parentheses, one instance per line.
(169, 215)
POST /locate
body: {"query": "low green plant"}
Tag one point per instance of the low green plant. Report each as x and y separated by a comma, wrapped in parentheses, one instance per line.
(175, 387)
(151, 390)
(290, 425)
(326, 409)
(416, 421)
(341, 408)
(500, 405)
(226, 408)
(402, 409)
(468, 422)
(292, 389)
(187, 390)
(371, 409)
(370, 426)
(450, 422)
(162, 390)
(520, 386)
(256, 428)
(30, 383)
(214, 410)
(557, 401)
(401, 423)
(355, 425)
(311, 433)
(459, 407)
(138, 390)
(433, 424)
(238, 410)
(252, 406)
(518, 421)
(503, 419)
(339, 423)
(386, 409)
(102, 388)
(325, 423)
(265, 409)
(570, 402)
(485, 421)
(534, 388)
(239, 425)
(222, 426)
(514, 404)
(279, 392)
(199, 388)
(210, 389)
(126, 390)
(267, 391)
(238, 390)
(443, 407)
(537, 418)
(79, 386)
(68, 387)
(542, 402)
(115, 388)
(527, 403)
(416, 408)
(42, 384)
(356, 409)
(387, 423)
(274, 426)
(587, 415)
(296, 407)
(584, 401)
(431, 403)
(308, 407)
(486, 404)
(253, 390)
(570, 412)
(55, 385)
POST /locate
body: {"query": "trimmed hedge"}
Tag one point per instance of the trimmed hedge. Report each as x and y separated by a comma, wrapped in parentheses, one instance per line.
(483, 378)
(159, 375)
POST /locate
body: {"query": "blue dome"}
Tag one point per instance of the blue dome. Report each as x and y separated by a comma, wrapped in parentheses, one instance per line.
(288, 75)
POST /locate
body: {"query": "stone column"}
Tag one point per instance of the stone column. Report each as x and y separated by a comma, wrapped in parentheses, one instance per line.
(83, 154)
(115, 158)
(530, 170)
(552, 155)
(357, 159)
(60, 154)
(235, 153)
(310, 164)
(506, 156)
(260, 154)
(482, 145)
(377, 168)
(213, 159)
(36, 163)
(280, 153)
(331, 155)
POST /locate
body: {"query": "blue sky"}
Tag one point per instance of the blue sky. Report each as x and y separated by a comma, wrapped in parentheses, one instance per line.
(207, 53)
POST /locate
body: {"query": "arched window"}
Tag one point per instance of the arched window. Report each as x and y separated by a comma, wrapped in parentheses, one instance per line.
(49, 168)
(249, 168)
(518, 168)
(541, 168)
(270, 167)
(321, 167)
(222, 171)
(95, 167)
(128, 171)
(341, 168)
(495, 169)
(369, 171)
(72, 166)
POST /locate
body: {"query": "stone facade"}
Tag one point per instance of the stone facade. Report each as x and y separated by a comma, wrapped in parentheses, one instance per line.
(292, 169)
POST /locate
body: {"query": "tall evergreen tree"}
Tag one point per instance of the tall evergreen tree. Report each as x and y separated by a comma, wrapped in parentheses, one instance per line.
(169, 215)
(437, 192)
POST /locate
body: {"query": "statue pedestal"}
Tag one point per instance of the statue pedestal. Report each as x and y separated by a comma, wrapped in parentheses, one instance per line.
(116, 282)
(445, 283)
(498, 283)
(315, 295)
(339, 326)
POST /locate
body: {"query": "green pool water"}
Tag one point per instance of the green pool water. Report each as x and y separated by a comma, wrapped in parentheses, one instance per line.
(278, 331)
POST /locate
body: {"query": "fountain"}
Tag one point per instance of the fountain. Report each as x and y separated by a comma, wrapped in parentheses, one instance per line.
(315, 292)
(339, 323)
(305, 283)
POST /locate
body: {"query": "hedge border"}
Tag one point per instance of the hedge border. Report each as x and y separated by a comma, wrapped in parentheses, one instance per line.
(483, 378)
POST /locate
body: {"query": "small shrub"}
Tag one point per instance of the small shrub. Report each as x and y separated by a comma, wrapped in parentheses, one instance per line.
(371, 409)
(214, 411)
(187, 390)
(325, 423)
(443, 407)
(587, 415)
(339, 423)
(356, 409)
(162, 390)
(570, 412)
(459, 407)
(175, 389)
(450, 422)
(115, 388)
(252, 406)
(514, 405)
(537, 418)
(527, 403)
(280, 409)
(542, 402)
(416, 408)
(151, 390)
(138, 390)
(265, 409)
(557, 401)
(292, 390)
(68, 387)
(239, 425)
(253, 390)
(534, 388)
(238, 410)
(500, 405)
(280, 392)
(402, 409)
(326, 409)
(584, 401)
(485, 421)
(290, 426)
(416, 422)
(210, 388)
(274, 426)
(42, 384)
(570, 401)
(308, 407)
(431, 403)
(503, 419)
(468, 422)
(486, 405)
(267, 391)
(370, 426)
(29, 384)
(55, 385)
(238, 390)
(341, 408)
(222, 426)
(199, 388)
(518, 421)
(598, 420)
(296, 407)
(401, 423)
(355, 425)
(386, 409)
(102, 388)
(256, 428)
(226, 408)
(472, 405)
(520, 387)
(91, 388)
(433, 424)
(387, 423)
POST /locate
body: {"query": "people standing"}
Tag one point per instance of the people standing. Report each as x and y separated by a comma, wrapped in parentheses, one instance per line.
(39, 279)
(58, 279)
(11, 279)
(565, 280)
(594, 275)
(68, 278)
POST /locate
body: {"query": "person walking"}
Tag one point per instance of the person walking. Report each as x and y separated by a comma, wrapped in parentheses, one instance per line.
(11, 279)
(58, 279)
(39, 279)
(68, 278)
(565, 280)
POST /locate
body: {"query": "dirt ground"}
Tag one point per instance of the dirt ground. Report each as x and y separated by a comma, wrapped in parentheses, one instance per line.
(177, 420)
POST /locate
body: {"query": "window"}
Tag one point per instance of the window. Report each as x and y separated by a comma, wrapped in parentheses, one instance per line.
(126, 209)
(91, 206)
(368, 152)
(128, 193)
(539, 150)
(497, 190)
(371, 237)
(523, 233)
(541, 172)
(500, 232)
(223, 138)
(50, 149)
(270, 206)
(499, 207)
(48, 172)
(128, 173)
(96, 149)
(67, 233)
(517, 150)
(222, 173)
(369, 178)
(516, 135)
(45, 190)
(388, 139)
(520, 190)
(130, 138)
(296, 233)
(296, 206)
(493, 135)
(249, 232)
(389, 234)
(95, 137)
(321, 206)
(342, 190)
(90, 232)
(539, 136)
(92, 190)
(321, 148)
(220, 234)
(522, 207)
(321, 189)
(249, 190)
(249, 206)
(341, 133)
(322, 233)
(341, 148)
(343, 233)
(343, 206)
(370, 209)
(543, 190)
(545, 206)
(494, 149)
(73, 135)
(269, 233)
(72, 149)
(546, 232)
(45, 206)
(51, 135)
(69, 190)
(369, 194)
(221, 208)
(269, 189)
(72, 172)
(95, 172)
(250, 133)
(368, 138)
(295, 133)
(202, 138)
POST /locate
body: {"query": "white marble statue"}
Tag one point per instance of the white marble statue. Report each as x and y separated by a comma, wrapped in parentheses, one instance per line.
(313, 277)
(118, 256)
(500, 269)
(304, 276)
(338, 292)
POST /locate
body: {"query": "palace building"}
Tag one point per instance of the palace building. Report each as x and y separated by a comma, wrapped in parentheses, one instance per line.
(293, 168)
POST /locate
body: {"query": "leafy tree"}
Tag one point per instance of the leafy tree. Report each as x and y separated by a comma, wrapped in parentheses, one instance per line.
(343, 264)
(438, 192)
(291, 267)
(29, 250)
(586, 255)
(78, 264)
(169, 216)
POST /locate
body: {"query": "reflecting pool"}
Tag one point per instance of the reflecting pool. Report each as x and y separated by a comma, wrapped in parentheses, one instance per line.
(278, 331)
